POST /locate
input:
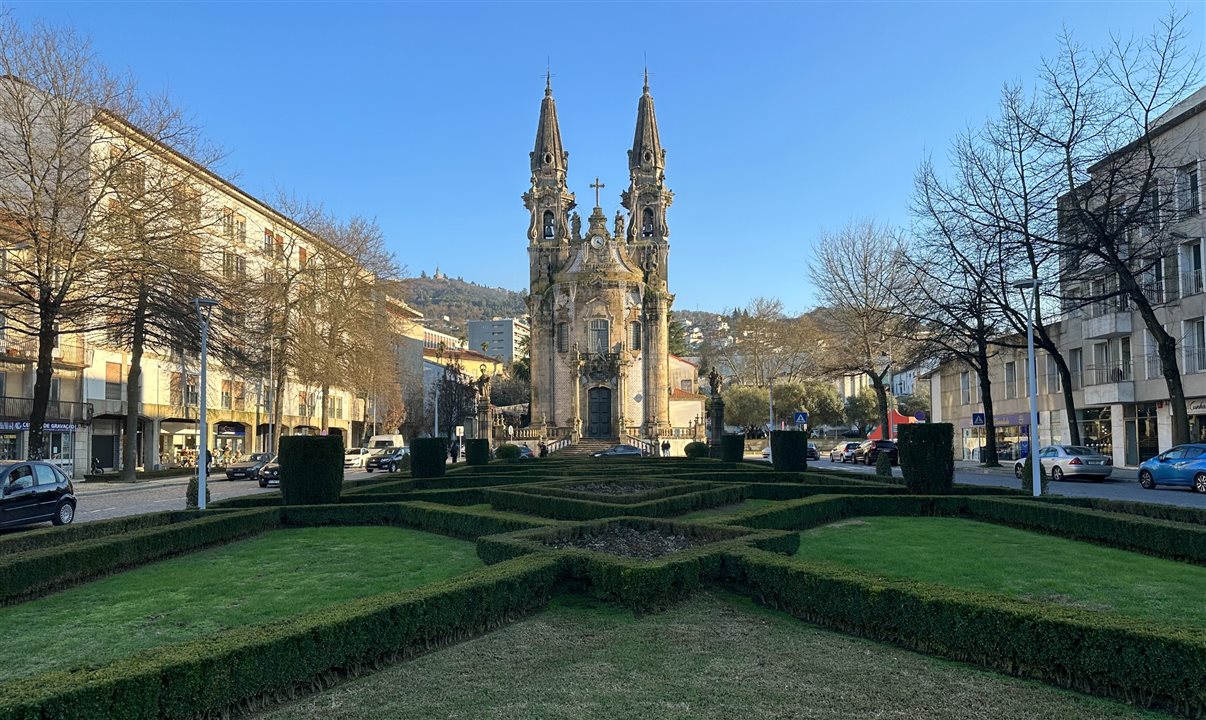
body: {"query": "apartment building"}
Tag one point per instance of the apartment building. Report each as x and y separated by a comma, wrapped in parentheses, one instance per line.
(1122, 400)
(499, 337)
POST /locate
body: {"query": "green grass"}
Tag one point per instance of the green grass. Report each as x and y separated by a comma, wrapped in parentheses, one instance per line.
(1022, 564)
(710, 658)
(725, 511)
(275, 575)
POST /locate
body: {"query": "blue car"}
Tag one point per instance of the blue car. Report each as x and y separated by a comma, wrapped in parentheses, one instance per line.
(1182, 465)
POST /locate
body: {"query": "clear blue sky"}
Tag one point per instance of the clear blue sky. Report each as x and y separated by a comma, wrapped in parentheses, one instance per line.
(779, 119)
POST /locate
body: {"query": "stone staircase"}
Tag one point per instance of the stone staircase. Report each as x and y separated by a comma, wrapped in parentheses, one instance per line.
(585, 447)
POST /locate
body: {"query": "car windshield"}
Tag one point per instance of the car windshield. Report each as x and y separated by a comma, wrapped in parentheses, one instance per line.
(261, 457)
(1079, 450)
(353, 452)
(384, 451)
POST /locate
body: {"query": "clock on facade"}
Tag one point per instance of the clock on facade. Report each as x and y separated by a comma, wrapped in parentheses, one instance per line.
(597, 242)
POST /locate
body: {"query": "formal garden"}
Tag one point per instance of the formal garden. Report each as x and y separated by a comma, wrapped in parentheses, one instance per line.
(610, 588)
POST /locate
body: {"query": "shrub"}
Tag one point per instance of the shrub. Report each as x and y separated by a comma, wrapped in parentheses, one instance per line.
(927, 457)
(562, 508)
(789, 450)
(477, 451)
(311, 469)
(507, 452)
(190, 494)
(1028, 477)
(696, 450)
(732, 447)
(883, 465)
(427, 456)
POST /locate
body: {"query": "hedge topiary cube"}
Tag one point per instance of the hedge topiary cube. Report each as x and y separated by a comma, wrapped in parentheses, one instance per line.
(732, 447)
(789, 450)
(927, 457)
(477, 451)
(427, 457)
(311, 469)
(507, 452)
(696, 450)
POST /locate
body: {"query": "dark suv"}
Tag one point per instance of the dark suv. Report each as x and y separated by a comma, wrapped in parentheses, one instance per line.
(34, 492)
(386, 459)
(869, 451)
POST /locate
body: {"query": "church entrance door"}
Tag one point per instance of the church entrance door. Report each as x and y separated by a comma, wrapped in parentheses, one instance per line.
(599, 408)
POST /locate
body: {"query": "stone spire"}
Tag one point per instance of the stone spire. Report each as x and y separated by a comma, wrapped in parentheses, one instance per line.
(548, 156)
(646, 153)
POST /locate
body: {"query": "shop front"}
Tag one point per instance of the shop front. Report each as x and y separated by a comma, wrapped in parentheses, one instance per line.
(1142, 441)
(1096, 430)
(230, 442)
(1196, 408)
(58, 439)
(1012, 432)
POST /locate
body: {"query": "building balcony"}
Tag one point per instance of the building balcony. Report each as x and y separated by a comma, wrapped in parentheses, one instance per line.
(24, 349)
(1109, 383)
(57, 411)
(1107, 324)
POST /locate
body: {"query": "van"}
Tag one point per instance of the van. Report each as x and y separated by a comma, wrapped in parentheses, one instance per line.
(377, 442)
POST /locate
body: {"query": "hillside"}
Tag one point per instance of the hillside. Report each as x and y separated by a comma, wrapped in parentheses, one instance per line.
(459, 301)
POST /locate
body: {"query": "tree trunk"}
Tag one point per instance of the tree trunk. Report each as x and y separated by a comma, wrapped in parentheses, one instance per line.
(989, 457)
(1166, 345)
(326, 411)
(41, 392)
(881, 394)
(1065, 379)
(129, 460)
(278, 408)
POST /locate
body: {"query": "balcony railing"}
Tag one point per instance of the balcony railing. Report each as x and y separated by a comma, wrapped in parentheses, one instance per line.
(1108, 373)
(25, 349)
(1191, 282)
(1195, 360)
(59, 411)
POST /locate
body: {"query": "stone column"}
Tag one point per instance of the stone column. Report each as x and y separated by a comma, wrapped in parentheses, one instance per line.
(717, 426)
(150, 443)
(657, 358)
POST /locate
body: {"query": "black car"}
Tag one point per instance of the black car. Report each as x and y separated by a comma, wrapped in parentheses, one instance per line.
(869, 451)
(620, 451)
(813, 453)
(269, 474)
(34, 492)
(388, 459)
(249, 469)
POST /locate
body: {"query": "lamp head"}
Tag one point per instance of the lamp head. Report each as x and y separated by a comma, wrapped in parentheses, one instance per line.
(1026, 284)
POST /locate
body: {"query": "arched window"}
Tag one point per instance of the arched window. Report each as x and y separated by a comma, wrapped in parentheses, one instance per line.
(600, 338)
(647, 223)
(550, 227)
(634, 336)
(562, 337)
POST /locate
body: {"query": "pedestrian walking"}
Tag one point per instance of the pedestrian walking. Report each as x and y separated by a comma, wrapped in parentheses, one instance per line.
(454, 451)
(544, 450)
(665, 448)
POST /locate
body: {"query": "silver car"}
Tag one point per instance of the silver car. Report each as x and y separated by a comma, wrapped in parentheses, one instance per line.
(1061, 461)
(844, 452)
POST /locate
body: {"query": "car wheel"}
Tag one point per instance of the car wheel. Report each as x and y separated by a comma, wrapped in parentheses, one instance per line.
(1146, 481)
(1017, 471)
(1199, 482)
(1057, 474)
(393, 467)
(263, 483)
(64, 513)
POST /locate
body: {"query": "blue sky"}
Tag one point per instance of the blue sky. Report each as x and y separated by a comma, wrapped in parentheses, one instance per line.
(779, 119)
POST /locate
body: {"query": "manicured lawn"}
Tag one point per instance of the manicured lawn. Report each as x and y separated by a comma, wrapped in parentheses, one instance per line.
(726, 510)
(1026, 565)
(710, 658)
(275, 575)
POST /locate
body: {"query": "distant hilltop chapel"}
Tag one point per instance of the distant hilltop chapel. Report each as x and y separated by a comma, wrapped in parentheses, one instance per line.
(599, 297)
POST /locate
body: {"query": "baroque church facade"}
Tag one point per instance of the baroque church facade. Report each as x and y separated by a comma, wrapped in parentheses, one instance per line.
(599, 298)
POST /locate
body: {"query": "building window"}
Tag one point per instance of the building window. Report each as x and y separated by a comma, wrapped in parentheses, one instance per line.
(268, 242)
(647, 223)
(241, 229)
(685, 385)
(112, 381)
(634, 336)
(234, 267)
(600, 336)
(965, 388)
(550, 226)
(1076, 366)
(562, 337)
(227, 394)
(1191, 264)
(228, 225)
(1195, 345)
(301, 256)
(279, 241)
(240, 396)
(1187, 190)
(1053, 380)
(1011, 380)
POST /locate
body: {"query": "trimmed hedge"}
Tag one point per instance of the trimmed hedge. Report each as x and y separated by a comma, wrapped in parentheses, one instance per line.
(927, 457)
(570, 509)
(430, 517)
(1094, 652)
(55, 537)
(477, 451)
(38, 571)
(732, 447)
(427, 457)
(211, 676)
(507, 452)
(311, 469)
(789, 450)
(696, 450)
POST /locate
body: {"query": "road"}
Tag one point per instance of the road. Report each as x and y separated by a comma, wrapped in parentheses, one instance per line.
(1124, 486)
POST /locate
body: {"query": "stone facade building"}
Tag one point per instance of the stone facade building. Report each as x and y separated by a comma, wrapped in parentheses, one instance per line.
(599, 298)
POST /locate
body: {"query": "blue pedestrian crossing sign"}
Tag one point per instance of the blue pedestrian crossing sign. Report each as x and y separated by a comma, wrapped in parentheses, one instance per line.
(801, 418)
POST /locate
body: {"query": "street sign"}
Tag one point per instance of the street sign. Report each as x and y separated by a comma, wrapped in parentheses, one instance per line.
(977, 419)
(460, 431)
(801, 418)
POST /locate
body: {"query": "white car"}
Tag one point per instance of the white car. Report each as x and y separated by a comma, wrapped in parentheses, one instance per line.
(356, 457)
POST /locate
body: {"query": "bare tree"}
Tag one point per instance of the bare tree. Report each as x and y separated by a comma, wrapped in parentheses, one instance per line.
(858, 272)
(769, 344)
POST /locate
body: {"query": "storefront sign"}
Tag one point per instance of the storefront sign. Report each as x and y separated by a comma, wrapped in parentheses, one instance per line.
(1196, 407)
(22, 425)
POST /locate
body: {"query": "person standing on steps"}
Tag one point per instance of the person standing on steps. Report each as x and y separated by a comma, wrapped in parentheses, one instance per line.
(665, 448)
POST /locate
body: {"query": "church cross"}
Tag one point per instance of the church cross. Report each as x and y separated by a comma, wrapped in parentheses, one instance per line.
(597, 186)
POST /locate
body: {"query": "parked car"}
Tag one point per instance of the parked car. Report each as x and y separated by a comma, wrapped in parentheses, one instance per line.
(843, 452)
(249, 469)
(525, 453)
(386, 459)
(356, 457)
(34, 492)
(270, 473)
(620, 451)
(868, 452)
(1061, 461)
(812, 452)
(1183, 465)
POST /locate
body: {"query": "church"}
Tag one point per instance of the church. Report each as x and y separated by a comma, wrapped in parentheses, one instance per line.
(599, 298)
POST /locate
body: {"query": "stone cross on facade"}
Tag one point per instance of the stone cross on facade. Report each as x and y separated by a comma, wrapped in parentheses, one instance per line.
(597, 186)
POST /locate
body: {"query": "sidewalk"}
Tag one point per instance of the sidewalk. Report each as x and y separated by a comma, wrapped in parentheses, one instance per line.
(105, 488)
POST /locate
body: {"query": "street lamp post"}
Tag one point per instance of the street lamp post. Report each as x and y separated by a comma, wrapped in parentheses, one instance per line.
(770, 453)
(1031, 303)
(205, 308)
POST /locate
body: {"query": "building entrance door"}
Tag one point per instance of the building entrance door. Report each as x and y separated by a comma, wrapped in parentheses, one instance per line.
(599, 409)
